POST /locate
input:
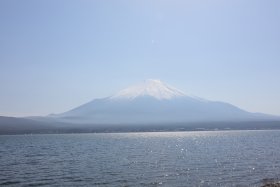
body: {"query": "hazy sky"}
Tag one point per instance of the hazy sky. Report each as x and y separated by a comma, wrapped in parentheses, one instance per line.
(58, 54)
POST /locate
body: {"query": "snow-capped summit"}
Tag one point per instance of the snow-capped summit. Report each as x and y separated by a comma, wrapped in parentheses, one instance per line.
(149, 87)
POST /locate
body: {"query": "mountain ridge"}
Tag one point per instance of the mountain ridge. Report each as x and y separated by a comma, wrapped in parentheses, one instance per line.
(153, 101)
(148, 106)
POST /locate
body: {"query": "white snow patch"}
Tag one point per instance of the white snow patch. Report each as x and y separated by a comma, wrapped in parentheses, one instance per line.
(150, 87)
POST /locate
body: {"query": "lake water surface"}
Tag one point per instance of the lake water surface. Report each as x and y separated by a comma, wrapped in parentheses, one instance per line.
(217, 158)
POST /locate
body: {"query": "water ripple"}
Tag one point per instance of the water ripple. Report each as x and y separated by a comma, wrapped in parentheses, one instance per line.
(224, 158)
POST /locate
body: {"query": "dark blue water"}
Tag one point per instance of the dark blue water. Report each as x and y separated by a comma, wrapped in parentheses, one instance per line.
(221, 158)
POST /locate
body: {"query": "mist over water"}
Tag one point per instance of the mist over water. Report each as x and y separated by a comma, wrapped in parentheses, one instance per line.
(222, 158)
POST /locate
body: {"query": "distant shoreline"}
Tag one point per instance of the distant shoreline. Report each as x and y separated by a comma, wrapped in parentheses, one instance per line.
(76, 131)
(9, 125)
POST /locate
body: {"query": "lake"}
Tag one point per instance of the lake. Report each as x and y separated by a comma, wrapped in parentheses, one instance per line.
(205, 158)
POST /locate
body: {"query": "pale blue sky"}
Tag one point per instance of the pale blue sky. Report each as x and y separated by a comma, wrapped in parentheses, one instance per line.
(58, 54)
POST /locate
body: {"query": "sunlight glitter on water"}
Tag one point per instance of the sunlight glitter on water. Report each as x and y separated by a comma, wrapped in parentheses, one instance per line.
(209, 158)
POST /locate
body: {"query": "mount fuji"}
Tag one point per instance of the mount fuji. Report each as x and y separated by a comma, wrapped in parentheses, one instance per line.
(148, 106)
(154, 102)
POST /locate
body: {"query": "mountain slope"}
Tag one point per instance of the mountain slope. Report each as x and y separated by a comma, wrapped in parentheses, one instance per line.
(12, 125)
(154, 102)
